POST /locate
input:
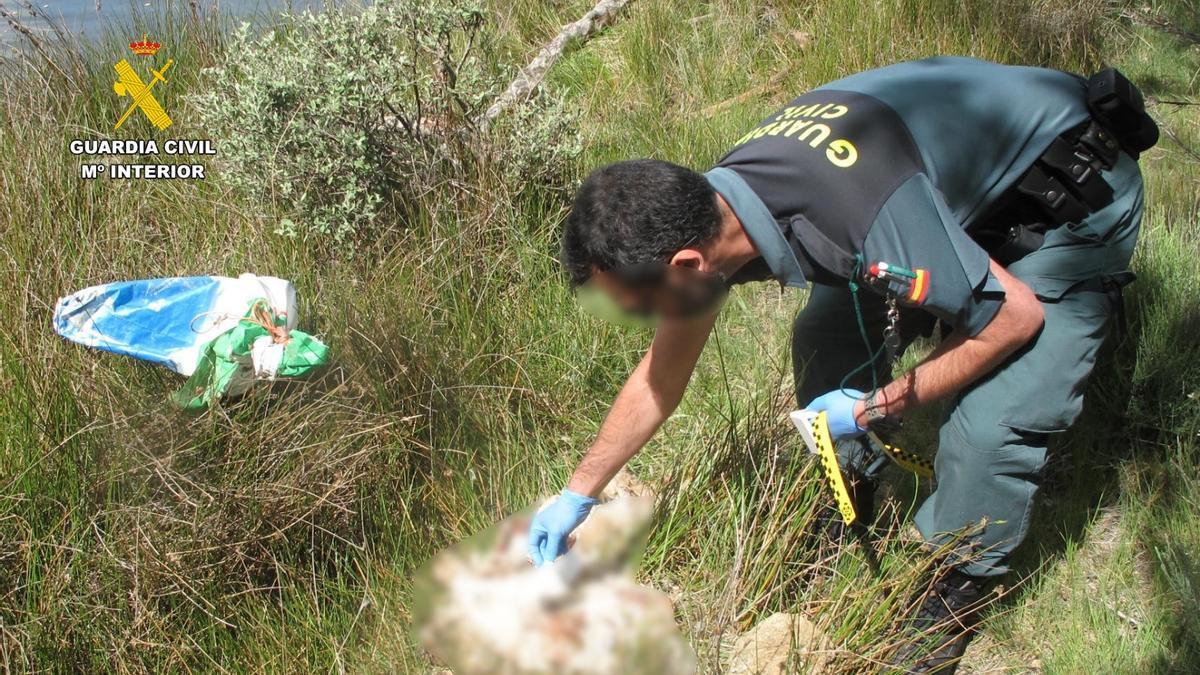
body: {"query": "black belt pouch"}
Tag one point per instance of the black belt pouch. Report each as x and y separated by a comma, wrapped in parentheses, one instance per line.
(1117, 104)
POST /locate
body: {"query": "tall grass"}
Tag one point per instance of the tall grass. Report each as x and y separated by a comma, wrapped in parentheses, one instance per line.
(278, 533)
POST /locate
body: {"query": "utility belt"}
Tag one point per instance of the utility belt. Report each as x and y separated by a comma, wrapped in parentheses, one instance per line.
(1064, 185)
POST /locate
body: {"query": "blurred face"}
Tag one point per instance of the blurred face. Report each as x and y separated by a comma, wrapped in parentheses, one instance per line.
(641, 295)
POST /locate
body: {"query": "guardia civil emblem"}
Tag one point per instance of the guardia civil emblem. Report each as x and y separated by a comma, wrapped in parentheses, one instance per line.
(141, 94)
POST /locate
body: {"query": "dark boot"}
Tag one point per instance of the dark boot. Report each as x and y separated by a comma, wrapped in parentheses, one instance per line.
(945, 621)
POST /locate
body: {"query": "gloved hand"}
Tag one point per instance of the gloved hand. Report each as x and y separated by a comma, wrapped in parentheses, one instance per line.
(552, 525)
(839, 405)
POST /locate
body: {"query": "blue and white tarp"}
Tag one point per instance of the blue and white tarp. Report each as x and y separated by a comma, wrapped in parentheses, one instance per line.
(174, 322)
(167, 321)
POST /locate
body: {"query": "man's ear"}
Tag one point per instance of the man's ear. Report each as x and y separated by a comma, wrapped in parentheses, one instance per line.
(688, 257)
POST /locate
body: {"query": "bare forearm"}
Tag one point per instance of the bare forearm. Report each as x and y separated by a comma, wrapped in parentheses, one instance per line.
(634, 417)
(961, 360)
(952, 366)
(648, 398)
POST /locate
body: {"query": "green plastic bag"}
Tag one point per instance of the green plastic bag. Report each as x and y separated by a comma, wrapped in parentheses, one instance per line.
(259, 347)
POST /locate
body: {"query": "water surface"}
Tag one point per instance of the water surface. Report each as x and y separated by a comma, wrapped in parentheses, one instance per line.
(89, 18)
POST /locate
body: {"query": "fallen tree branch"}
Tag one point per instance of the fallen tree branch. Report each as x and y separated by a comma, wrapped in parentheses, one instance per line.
(771, 84)
(802, 39)
(1158, 23)
(1186, 148)
(530, 77)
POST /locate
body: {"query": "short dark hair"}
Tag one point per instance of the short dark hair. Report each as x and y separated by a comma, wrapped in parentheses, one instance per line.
(635, 212)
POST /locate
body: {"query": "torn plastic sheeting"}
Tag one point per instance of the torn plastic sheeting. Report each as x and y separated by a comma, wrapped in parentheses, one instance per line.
(483, 608)
(223, 332)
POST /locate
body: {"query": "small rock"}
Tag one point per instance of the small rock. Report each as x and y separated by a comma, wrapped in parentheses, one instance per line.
(767, 648)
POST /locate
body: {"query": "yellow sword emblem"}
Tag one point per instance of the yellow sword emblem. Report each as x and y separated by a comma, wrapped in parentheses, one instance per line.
(129, 84)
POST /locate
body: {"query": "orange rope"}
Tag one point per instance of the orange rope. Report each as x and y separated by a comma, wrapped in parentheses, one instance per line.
(261, 314)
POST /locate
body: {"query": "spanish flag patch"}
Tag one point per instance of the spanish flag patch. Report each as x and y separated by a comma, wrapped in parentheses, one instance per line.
(919, 287)
(908, 286)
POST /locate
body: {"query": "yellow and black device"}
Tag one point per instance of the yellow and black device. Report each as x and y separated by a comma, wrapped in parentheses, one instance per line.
(814, 428)
(906, 460)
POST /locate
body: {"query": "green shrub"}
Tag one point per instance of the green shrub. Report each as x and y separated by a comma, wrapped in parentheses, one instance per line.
(338, 119)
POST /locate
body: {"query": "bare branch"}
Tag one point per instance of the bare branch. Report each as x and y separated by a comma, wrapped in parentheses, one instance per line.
(530, 77)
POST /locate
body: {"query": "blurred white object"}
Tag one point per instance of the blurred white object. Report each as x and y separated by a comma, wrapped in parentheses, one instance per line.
(486, 610)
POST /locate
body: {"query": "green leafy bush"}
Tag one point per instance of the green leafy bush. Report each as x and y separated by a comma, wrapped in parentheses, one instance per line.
(340, 118)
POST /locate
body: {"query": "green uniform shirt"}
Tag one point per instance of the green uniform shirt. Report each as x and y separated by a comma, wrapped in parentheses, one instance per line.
(891, 165)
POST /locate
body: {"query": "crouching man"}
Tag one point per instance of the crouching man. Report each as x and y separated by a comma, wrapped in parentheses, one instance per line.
(999, 202)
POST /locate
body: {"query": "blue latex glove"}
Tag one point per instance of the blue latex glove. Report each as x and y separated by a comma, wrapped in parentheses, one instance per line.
(839, 404)
(552, 525)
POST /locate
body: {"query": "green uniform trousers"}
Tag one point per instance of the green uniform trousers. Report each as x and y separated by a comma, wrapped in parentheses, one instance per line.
(992, 442)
